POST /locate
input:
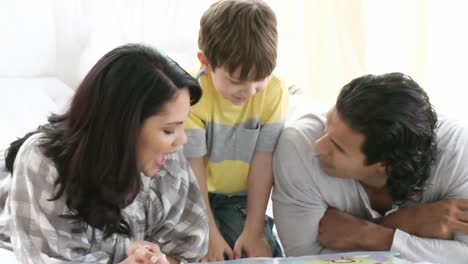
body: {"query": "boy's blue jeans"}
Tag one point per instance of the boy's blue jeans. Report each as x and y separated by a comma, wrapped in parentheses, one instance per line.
(230, 211)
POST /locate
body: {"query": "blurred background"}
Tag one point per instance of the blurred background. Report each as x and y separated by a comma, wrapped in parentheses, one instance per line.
(323, 44)
(47, 46)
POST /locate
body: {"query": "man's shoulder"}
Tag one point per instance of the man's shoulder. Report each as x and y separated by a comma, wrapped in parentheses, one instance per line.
(309, 126)
(449, 175)
(451, 131)
(296, 163)
(452, 138)
(299, 137)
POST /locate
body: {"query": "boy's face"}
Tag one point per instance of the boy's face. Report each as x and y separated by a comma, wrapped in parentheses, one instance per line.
(341, 155)
(232, 88)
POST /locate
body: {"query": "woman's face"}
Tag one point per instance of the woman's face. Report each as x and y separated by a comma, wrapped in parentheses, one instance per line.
(162, 133)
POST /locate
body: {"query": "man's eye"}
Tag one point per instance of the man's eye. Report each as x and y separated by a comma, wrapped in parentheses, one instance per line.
(168, 132)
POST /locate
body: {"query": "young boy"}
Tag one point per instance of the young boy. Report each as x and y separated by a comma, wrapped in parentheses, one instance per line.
(233, 129)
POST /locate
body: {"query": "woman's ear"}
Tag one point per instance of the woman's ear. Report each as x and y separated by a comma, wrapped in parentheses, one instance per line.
(203, 61)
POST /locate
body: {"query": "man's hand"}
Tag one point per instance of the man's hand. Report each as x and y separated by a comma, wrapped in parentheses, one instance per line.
(434, 220)
(342, 231)
(144, 252)
(253, 244)
(217, 247)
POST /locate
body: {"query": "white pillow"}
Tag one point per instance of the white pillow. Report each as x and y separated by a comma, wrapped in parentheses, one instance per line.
(28, 44)
(99, 43)
(26, 103)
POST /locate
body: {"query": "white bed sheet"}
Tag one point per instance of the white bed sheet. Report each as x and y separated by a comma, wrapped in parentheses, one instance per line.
(25, 103)
(7, 256)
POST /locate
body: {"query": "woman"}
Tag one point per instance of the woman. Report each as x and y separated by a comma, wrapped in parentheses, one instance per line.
(107, 181)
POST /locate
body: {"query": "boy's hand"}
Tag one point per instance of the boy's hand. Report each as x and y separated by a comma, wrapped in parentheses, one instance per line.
(253, 244)
(144, 252)
(217, 247)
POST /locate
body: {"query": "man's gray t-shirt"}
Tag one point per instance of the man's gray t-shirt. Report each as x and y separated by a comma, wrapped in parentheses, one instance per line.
(303, 192)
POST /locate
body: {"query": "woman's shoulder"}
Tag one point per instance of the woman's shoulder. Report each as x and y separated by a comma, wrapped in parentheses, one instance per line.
(31, 160)
(31, 149)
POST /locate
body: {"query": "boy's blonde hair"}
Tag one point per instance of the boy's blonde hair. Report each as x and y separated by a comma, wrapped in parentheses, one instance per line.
(240, 33)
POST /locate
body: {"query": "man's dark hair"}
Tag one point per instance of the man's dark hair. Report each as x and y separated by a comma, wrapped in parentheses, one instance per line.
(398, 122)
(93, 145)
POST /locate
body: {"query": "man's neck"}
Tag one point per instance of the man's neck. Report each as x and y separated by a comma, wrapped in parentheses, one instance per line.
(379, 198)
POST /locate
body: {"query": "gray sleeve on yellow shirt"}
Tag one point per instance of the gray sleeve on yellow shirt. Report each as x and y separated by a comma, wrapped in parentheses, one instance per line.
(196, 143)
(268, 136)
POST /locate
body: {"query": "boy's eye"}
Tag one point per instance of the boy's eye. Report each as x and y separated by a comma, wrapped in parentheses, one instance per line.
(168, 132)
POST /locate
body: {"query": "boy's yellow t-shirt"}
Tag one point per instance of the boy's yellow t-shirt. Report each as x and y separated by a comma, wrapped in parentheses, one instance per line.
(227, 135)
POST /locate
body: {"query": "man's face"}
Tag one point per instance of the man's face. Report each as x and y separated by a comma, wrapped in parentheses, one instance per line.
(232, 88)
(341, 155)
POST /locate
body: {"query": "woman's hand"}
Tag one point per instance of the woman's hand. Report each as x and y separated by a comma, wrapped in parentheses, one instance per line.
(144, 252)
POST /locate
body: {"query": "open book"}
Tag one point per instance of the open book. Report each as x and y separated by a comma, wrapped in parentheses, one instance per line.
(364, 257)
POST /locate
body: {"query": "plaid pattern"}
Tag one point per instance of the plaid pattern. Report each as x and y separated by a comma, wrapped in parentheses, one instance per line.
(168, 211)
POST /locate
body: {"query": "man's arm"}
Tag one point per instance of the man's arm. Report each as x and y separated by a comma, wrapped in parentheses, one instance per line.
(439, 219)
(297, 202)
(436, 231)
(252, 240)
(344, 232)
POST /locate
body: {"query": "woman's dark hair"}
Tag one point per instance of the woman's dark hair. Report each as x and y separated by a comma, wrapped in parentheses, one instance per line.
(398, 122)
(93, 145)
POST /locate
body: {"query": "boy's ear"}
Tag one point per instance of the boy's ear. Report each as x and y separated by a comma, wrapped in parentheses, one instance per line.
(203, 61)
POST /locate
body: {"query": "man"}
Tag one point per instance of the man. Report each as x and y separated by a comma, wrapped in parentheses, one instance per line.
(380, 172)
